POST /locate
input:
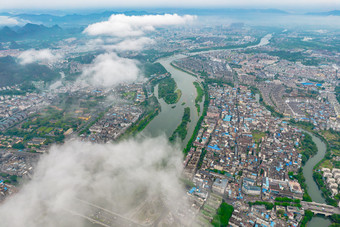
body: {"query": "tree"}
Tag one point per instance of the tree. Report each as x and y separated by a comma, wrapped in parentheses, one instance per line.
(224, 212)
(13, 178)
(18, 146)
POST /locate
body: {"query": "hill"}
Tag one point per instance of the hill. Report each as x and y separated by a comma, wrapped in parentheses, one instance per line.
(30, 31)
(329, 13)
(12, 72)
(70, 19)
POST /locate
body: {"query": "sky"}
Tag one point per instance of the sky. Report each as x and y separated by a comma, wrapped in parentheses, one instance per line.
(317, 5)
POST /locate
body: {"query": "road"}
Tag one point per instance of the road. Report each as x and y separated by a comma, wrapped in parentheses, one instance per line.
(320, 208)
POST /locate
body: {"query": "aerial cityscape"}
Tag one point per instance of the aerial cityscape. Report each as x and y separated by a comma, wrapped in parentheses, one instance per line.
(181, 113)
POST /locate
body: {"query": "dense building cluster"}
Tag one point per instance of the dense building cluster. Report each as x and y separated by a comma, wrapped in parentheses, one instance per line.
(304, 92)
(244, 154)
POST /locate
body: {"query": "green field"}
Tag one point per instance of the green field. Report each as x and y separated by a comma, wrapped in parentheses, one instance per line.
(257, 135)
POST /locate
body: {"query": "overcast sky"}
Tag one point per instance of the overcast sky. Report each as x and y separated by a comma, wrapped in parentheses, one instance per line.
(317, 5)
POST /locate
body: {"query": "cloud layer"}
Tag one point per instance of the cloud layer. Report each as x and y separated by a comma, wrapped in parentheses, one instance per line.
(133, 44)
(121, 25)
(119, 177)
(122, 33)
(108, 70)
(11, 21)
(39, 56)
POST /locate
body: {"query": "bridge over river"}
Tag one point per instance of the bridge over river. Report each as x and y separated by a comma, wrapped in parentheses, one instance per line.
(320, 208)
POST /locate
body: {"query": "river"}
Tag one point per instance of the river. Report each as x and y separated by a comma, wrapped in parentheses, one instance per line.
(313, 189)
(170, 117)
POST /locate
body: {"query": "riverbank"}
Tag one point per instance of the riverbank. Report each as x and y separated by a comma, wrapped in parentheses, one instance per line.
(183, 70)
(200, 120)
(317, 195)
(246, 45)
(317, 175)
(171, 115)
(182, 129)
(153, 109)
(199, 96)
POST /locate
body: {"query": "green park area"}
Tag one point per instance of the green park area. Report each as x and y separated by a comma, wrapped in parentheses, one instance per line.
(224, 212)
(167, 90)
(257, 136)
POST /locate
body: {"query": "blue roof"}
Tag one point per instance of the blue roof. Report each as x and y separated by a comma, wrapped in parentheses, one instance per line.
(192, 190)
(227, 118)
(307, 84)
(215, 147)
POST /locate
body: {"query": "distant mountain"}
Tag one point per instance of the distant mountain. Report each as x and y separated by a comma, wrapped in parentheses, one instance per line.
(329, 13)
(33, 31)
(70, 19)
(12, 72)
(85, 19)
(15, 45)
(222, 11)
(32, 28)
(7, 32)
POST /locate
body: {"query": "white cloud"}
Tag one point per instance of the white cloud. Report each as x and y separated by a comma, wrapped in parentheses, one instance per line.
(121, 25)
(131, 44)
(122, 33)
(11, 21)
(108, 70)
(44, 55)
(119, 177)
(118, 44)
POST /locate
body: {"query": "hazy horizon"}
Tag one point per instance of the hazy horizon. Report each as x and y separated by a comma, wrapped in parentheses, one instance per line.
(88, 5)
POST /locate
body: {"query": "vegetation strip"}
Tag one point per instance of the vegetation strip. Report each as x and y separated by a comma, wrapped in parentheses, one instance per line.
(153, 110)
(200, 120)
(199, 96)
(182, 129)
